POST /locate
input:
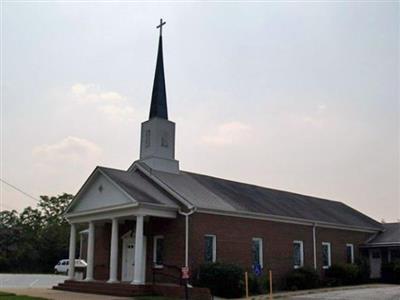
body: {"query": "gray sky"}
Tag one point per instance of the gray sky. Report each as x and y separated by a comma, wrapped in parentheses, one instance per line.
(296, 96)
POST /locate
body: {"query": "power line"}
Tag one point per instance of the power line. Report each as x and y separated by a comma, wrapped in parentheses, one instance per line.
(19, 190)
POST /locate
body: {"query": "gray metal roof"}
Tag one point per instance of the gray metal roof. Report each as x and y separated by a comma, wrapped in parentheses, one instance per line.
(221, 195)
(139, 187)
(224, 195)
(391, 235)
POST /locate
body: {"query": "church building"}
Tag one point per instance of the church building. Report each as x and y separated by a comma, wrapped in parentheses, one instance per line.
(147, 222)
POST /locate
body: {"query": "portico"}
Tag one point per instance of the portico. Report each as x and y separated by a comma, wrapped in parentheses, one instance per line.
(121, 223)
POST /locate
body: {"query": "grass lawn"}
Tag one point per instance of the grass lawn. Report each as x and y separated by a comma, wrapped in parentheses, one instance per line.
(11, 296)
(150, 298)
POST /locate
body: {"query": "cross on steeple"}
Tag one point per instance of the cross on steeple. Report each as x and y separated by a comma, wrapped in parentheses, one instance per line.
(161, 25)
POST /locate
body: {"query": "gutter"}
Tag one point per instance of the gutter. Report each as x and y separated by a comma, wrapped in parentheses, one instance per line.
(315, 245)
(186, 215)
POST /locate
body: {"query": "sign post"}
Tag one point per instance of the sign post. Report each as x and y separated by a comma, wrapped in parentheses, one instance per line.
(270, 285)
(185, 277)
(246, 280)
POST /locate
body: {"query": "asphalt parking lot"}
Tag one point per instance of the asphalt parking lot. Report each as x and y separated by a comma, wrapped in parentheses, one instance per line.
(365, 293)
(30, 280)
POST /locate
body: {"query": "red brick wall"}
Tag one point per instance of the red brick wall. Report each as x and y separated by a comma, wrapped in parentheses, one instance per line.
(173, 231)
(234, 237)
(102, 251)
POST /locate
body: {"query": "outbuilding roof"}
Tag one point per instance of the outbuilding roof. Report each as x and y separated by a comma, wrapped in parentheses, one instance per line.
(390, 235)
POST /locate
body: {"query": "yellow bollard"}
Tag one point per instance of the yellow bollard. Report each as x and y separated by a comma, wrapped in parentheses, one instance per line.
(270, 285)
(246, 282)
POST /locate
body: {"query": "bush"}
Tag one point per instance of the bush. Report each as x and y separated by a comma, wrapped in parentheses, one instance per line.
(363, 270)
(391, 272)
(223, 280)
(258, 284)
(342, 274)
(301, 279)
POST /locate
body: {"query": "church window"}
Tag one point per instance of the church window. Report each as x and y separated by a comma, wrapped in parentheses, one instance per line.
(298, 254)
(257, 253)
(158, 251)
(164, 139)
(350, 253)
(326, 255)
(210, 248)
(147, 138)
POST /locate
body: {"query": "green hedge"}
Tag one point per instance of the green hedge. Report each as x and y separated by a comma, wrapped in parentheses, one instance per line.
(301, 279)
(258, 284)
(223, 280)
(342, 274)
(391, 272)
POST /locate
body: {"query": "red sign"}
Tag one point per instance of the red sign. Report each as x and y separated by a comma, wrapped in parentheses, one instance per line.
(185, 273)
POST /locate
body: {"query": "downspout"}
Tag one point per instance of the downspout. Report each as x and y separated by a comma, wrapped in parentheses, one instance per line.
(315, 245)
(191, 211)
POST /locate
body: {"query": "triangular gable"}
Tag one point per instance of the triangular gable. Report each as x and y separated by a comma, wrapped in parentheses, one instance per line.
(99, 191)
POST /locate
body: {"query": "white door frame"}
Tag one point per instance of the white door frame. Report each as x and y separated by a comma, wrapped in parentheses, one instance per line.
(129, 237)
(127, 275)
(375, 263)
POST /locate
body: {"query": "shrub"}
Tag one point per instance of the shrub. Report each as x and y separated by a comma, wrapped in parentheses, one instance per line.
(223, 280)
(342, 274)
(258, 284)
(391, 272)
(300, 279)
(363, 270)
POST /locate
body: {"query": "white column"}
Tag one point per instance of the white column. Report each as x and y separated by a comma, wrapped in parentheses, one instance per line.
(138, 270)
(114, 252)
(90, 253)
(72, 245)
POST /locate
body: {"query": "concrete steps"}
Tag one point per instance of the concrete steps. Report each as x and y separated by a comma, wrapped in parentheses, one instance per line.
(103, 288)
(129, 290)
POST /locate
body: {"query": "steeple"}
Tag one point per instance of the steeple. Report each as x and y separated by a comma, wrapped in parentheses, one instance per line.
(158, 108)
(157, 146)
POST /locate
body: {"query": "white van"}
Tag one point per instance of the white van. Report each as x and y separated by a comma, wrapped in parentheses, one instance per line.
(62, 266)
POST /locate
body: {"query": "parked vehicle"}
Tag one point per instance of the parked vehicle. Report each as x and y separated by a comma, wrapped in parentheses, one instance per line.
(63, 265)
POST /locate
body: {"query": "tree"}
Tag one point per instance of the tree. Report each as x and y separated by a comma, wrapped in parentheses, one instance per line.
(37, 238)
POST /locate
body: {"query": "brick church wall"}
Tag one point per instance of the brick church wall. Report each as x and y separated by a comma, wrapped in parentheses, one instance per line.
(234, 236)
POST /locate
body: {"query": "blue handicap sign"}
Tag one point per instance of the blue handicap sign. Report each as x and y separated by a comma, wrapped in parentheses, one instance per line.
(257, 269)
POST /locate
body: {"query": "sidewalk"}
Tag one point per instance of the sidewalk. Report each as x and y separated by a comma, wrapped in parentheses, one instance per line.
(59, 295)
(287, 295)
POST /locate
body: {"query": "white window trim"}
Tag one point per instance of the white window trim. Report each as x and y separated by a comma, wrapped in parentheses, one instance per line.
(155, 241)
(301, 254)
(261, 258)
(329, 255)
(352, 252)
(214, 240)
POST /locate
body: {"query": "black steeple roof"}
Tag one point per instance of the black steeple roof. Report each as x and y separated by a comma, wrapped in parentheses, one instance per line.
(158, 108)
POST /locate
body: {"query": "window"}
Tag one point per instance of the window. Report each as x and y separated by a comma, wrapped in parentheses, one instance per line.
(394, 255)
(147, 138)
(326, 255)
(349, 253)
(210, 248)
(298, 254)
(257, 252)
(164, 139)
(376, 254)
(158, 251)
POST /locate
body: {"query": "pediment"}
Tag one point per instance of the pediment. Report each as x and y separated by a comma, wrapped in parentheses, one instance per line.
(97, 193)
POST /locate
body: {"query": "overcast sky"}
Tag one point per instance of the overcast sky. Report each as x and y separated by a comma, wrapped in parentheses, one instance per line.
(296, 96)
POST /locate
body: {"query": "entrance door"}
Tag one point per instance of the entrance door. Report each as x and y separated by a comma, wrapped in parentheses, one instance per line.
(375, 262)
(128, 258)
